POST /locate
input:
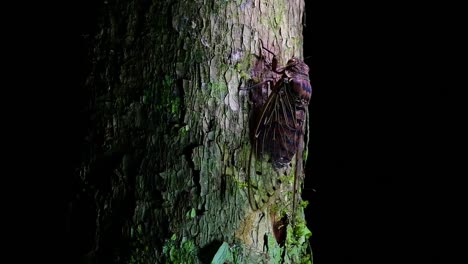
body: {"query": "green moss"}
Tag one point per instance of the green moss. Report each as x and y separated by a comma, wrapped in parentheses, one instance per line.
(175, 106)
(184, 252)
(301, 233)
(305, 153)
(242, 184)
(297, 243)
(167, 82)
(274, 250)
(183, 132)
(244, 75)
(274, 209)
(243, 66)
(140, 252)
(235, 178)
(191, 213)
(166, 100)
(198, 56)
(280, 9)
(218, 88)
(223, 67)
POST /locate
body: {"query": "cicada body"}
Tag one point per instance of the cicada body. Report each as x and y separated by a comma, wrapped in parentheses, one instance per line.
(281, 122)
(279, 119)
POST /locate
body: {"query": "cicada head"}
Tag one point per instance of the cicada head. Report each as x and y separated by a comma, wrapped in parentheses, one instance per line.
(296, 66)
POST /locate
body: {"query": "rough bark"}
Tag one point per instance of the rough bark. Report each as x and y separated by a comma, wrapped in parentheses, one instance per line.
(165, 175)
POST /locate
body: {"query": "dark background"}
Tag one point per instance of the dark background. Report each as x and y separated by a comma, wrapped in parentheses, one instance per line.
(379, 176)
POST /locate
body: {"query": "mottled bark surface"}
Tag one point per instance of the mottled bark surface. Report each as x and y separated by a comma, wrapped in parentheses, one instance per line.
(164, 178)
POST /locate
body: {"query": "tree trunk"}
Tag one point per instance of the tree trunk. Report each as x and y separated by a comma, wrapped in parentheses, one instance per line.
(165, 179)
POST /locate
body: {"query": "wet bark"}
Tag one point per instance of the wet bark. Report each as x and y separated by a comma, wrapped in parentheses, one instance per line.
(164, 178)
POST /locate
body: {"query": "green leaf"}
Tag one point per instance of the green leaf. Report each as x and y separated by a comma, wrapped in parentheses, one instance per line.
(222, 254)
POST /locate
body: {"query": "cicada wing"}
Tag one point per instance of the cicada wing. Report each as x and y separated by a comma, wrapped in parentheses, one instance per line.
(260, 187)
(283, 131)
(299, 164)
(275, 142)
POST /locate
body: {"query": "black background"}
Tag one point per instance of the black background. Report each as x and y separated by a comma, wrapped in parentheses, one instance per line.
(379, 175)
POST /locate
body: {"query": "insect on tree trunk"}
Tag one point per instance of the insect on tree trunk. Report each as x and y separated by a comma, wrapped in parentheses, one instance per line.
(166, 171)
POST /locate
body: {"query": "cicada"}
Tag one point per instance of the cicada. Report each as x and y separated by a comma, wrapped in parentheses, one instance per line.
(278, 121)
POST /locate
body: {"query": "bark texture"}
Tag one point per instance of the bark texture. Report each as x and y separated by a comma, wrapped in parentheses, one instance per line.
(164, 178)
